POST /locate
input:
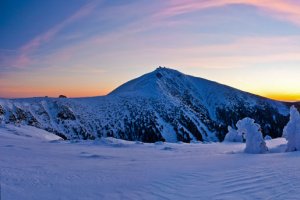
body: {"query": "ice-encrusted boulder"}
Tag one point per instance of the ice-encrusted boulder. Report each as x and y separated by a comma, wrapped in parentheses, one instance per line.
(267, 137)
(292, 131)
(233, 135)
(254, 138)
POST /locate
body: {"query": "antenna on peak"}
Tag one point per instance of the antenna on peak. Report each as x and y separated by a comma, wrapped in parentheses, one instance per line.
(161, 67)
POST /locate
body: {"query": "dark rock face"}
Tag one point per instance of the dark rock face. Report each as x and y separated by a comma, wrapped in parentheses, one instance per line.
(20, 114)
(1, 110)
(158, 75)
(64, 113)
(271, 121)
(143, 127)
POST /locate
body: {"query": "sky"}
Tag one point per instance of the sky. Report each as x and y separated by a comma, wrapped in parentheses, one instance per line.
(89, 47)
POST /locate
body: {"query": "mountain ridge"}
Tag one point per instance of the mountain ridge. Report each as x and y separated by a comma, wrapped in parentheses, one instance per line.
(157, 70)
(163, 105)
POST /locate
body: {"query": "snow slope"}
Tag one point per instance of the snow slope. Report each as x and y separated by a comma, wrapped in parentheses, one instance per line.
(30, 132)
(163, 105)
(36, 168)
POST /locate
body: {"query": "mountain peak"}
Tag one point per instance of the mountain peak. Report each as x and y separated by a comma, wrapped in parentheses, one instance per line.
(164, 104)
(161, 72)
(166, 70)
(147, 84)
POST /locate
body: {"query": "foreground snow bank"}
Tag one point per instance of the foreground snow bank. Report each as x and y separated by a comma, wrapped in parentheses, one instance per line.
(33, 168)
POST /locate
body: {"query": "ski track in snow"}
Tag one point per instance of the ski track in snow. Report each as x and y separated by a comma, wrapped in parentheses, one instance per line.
(38, 167)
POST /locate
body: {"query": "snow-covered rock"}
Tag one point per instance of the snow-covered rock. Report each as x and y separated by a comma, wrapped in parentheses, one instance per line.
(233, 135)
(254, 139)
(292, 130)
(267, 137)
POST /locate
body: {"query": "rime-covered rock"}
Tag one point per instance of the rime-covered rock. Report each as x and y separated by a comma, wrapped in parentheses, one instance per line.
(254, 140)
(233, 135)
(292, 130)
(267, 137)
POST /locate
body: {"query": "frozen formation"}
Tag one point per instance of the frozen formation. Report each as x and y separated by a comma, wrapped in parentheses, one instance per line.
(249, 131)
(292, 130)
(233, 135)
(254, 139)
(267, 137)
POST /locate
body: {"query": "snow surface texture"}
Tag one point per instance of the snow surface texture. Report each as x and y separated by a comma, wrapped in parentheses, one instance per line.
(34, 168)
(254, 139)
(164, 105)
(292, 130)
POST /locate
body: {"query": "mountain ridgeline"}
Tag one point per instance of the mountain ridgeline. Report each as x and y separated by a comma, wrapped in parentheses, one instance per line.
(164, 105)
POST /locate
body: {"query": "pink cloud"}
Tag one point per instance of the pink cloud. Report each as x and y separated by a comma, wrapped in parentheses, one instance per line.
(282, 9)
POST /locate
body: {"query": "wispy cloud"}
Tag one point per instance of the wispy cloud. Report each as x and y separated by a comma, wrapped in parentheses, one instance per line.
(46, 37)
(22, 58)
(162, 17)
(283, 9)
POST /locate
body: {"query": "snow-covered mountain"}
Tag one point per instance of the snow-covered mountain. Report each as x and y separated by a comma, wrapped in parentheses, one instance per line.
(162, 105)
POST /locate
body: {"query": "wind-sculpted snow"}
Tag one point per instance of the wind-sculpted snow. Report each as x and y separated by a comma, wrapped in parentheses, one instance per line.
(162, 105)
(254, 140)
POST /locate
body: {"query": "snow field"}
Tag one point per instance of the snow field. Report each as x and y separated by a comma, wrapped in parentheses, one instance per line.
(34, 167)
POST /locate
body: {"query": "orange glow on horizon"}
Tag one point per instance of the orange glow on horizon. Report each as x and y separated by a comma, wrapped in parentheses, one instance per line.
(92, 92)
(283, 97)
(51, 92)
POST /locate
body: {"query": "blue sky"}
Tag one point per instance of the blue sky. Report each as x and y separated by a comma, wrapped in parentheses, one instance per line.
(87, 48)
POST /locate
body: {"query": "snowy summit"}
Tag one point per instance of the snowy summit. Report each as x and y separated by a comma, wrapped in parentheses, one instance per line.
(65, 148)
(163, 105)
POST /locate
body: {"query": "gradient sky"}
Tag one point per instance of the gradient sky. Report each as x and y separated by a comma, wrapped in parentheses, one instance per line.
(88, 48)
